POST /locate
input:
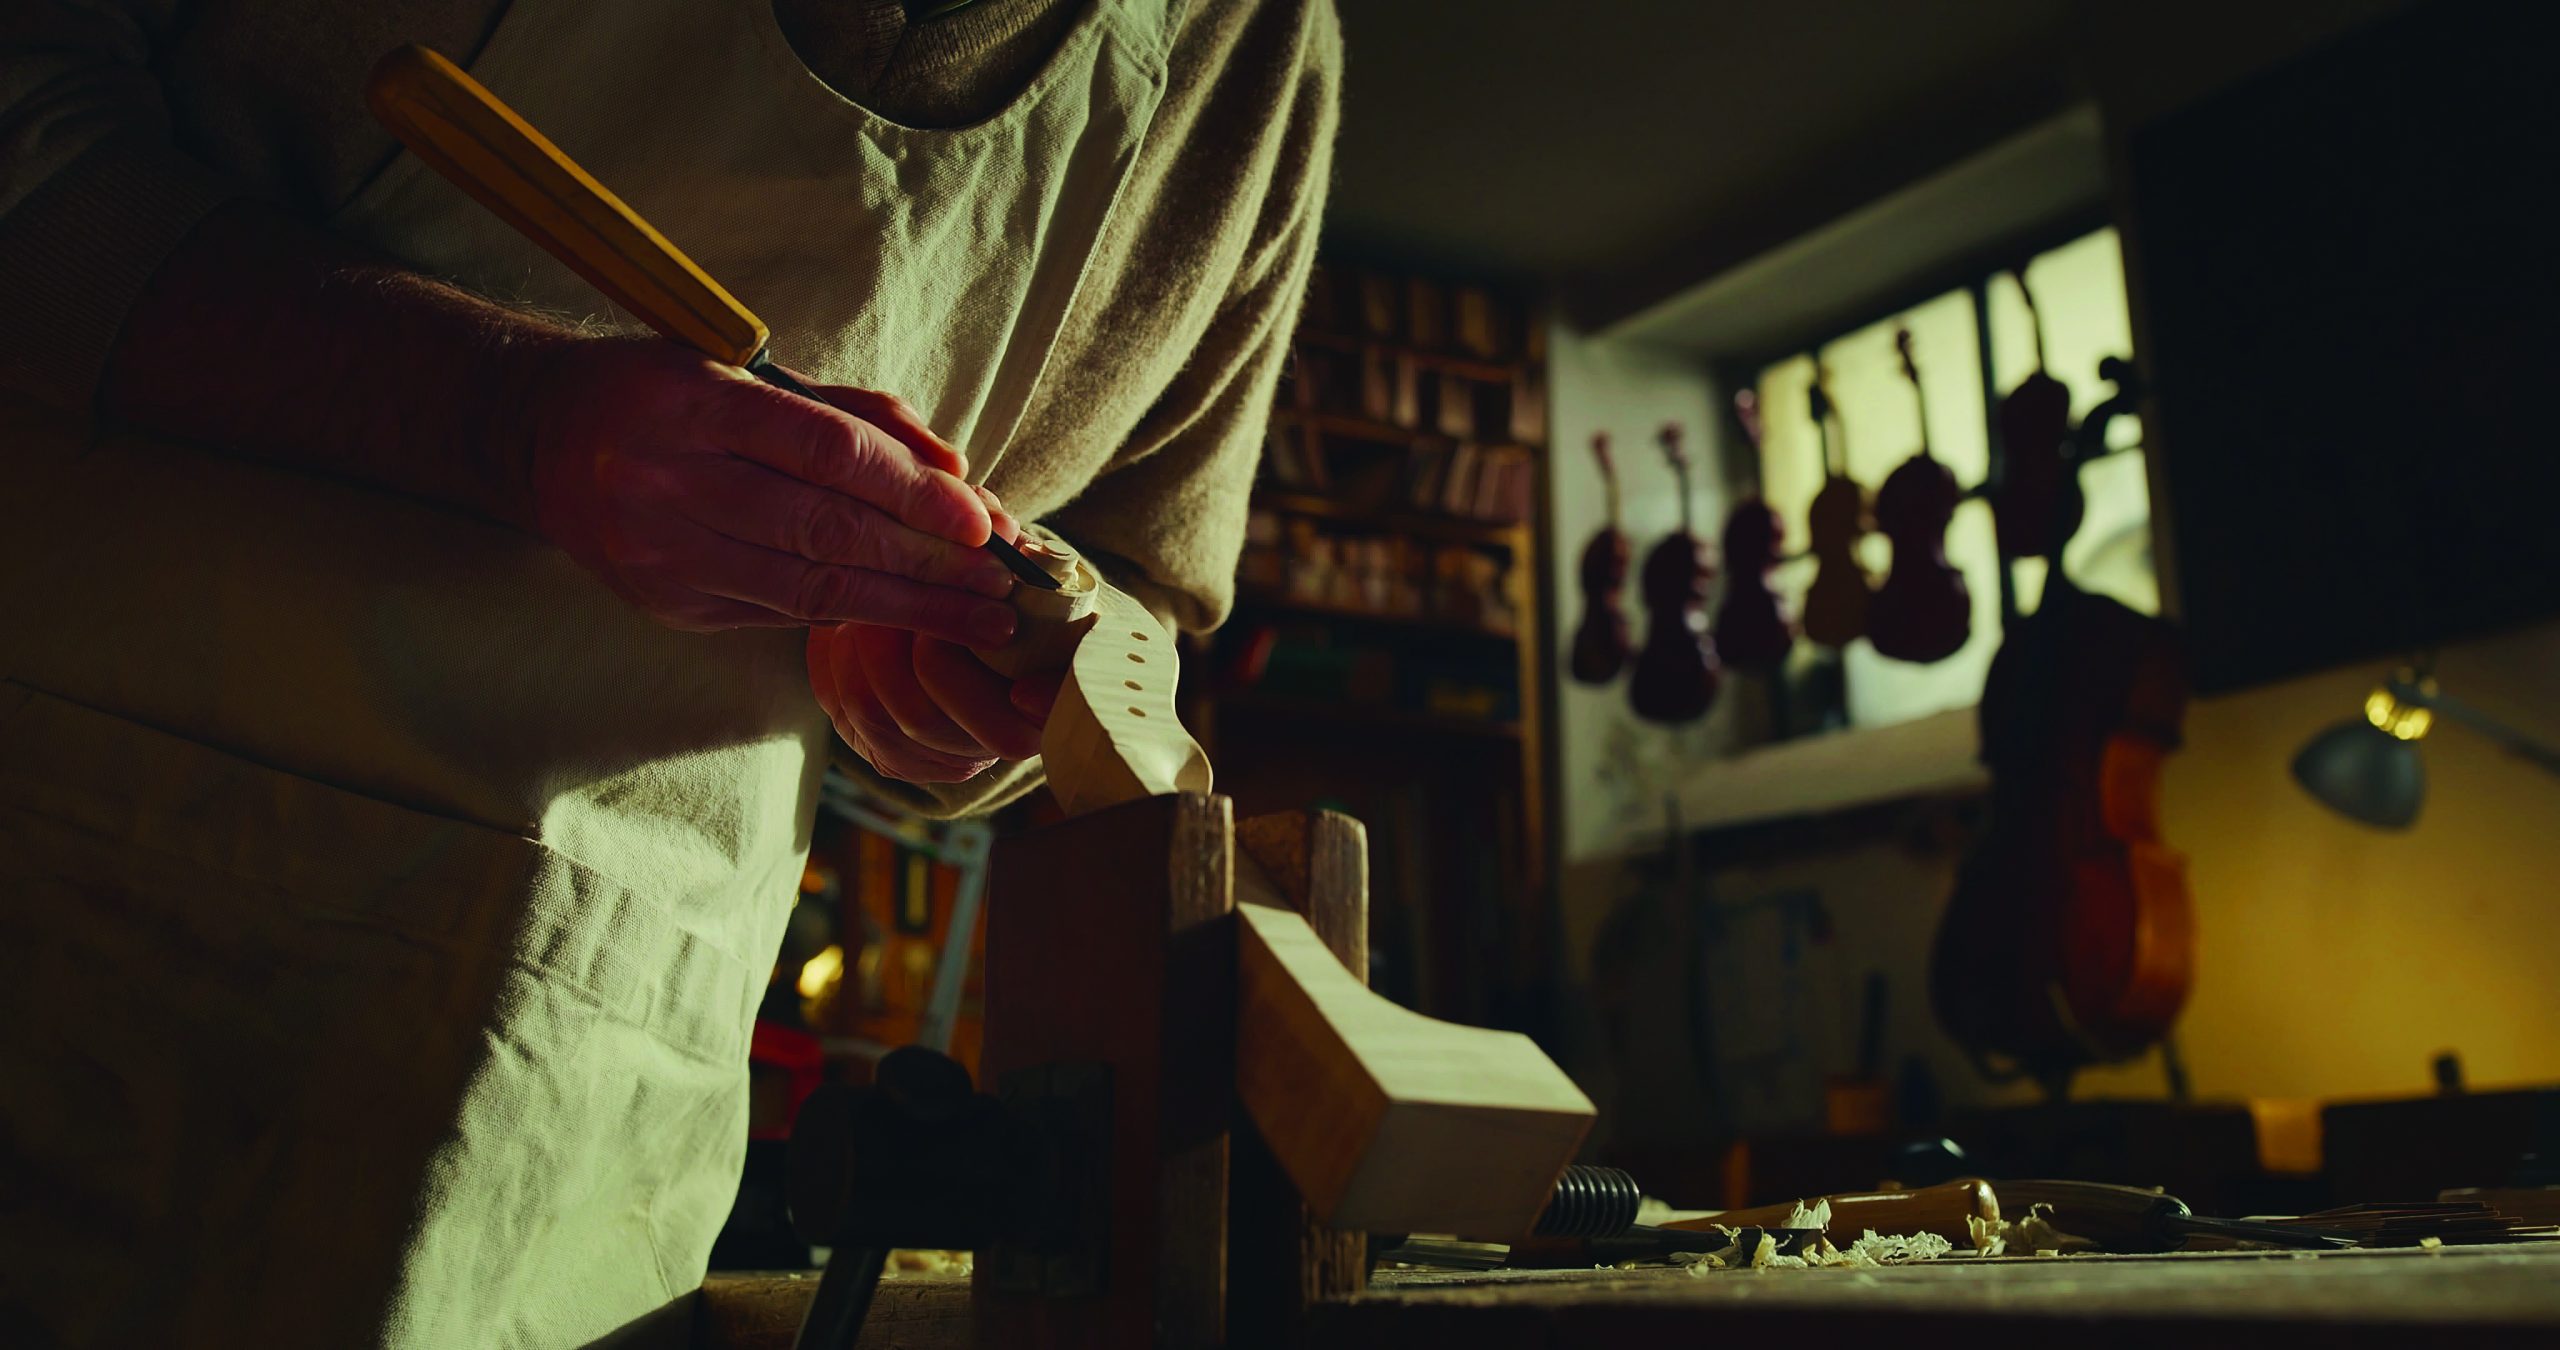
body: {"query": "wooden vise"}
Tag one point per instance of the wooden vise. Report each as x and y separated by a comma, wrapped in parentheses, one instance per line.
(1176, 1001)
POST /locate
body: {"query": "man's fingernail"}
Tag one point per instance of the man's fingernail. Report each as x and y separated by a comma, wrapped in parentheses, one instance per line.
(991, 625)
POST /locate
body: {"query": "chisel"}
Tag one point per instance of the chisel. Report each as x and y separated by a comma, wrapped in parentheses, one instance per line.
(453, 124)
(2128, 1219)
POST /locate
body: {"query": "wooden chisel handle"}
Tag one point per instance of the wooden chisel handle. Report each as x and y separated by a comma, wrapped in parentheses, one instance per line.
(463, 131)
(1943, 1209)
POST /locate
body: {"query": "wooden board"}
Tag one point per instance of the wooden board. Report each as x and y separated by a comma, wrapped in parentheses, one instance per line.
(2475, 1298)
(1131, 964)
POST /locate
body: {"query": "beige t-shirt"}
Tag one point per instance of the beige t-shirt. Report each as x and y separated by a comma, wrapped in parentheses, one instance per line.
(123, 123)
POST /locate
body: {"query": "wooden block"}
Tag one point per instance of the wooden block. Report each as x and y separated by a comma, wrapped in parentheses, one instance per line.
(1107, 941)
(1386, 1120)
(1281, 1260)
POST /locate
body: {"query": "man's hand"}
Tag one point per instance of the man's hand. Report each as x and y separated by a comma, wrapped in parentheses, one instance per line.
(923, 710)
(706, 498)
(714, 501)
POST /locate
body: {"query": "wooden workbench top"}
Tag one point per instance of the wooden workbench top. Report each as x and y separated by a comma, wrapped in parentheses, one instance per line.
(2485, 1296)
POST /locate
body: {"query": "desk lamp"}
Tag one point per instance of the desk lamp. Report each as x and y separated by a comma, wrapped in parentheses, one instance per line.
(2367, 768)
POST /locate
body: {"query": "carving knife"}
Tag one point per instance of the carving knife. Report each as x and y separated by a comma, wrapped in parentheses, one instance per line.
(461, 130)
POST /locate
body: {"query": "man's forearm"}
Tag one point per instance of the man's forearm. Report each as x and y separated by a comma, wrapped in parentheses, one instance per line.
(271, 338)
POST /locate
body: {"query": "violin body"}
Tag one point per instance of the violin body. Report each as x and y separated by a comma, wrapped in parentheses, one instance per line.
(1835, 605)
(1602, 641)
(1924, 610)
(1752, 631)
(1676, 674)
(2070, 938)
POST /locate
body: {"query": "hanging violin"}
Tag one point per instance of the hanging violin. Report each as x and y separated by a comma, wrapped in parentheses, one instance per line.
(1835, 605)
(2037, 498)
(1752, 631)
(1602, 641)
(1676, 675)
(1924, 611)
(2070, 937)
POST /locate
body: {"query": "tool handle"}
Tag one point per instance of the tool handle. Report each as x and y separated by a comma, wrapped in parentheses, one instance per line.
(463, 132)
(1942, 1209)
(2117, 1218)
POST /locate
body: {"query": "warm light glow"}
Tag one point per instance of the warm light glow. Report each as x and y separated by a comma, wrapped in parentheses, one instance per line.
(822, 970)
(2407, 721)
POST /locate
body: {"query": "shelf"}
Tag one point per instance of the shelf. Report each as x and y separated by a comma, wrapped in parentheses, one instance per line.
(1419, 524)
(1355, 427)
(1257, 599)
(1371, 716)
(1450, 363)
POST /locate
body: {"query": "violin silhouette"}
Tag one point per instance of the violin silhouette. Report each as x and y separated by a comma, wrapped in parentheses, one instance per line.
(1601, 642)
(1676, 676)
(2070, 938)
(1924, 611)
(1835, 605)
(1752, 631)
(2036, 502)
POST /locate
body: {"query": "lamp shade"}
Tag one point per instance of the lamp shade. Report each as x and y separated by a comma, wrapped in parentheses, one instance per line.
(2365, 773)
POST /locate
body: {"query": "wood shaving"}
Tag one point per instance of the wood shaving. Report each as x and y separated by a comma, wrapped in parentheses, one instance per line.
(1817, 1218)
(924, 1261)
(1875, 1249)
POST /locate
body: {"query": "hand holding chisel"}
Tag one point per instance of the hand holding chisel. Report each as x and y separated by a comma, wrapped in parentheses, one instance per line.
(713, 507)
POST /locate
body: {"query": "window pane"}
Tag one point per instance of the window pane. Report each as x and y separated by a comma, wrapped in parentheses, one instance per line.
(2080, 290)
(1879, 428)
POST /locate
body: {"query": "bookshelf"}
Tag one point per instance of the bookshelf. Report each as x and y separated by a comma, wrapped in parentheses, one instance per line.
(1386, 652)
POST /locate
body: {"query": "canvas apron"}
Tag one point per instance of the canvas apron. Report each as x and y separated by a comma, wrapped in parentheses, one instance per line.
(383, 903)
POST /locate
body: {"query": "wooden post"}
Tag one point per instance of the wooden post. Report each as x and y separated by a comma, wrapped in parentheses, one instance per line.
(1281, 1261)
(1109, 940)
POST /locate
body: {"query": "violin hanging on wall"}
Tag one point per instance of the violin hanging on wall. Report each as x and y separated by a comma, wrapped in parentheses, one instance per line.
(1602, 641)
(1752, 631)
(2036, 502)
(1835, 605)
(1676, 674)
(2070, 937)
(1924, 611)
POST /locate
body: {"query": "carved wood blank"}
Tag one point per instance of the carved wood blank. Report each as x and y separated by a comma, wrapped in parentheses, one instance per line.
(1114, 735)
(1386, 1120)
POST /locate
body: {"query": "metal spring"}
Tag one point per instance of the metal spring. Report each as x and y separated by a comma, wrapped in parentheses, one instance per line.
(1591, 1202)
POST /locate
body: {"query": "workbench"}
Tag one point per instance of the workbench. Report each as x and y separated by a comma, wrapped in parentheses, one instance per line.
(2458, 1298)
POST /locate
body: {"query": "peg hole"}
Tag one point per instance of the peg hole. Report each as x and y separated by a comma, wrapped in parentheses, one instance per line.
(1138, 635)
(1137, 658)
(1137, 712)
(1133, 684)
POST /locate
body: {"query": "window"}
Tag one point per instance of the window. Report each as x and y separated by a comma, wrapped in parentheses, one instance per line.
(2079, 290)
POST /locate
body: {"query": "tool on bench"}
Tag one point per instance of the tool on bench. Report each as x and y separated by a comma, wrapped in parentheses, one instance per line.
(452, 123)
(2129, 1219)
(1950, 1210)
